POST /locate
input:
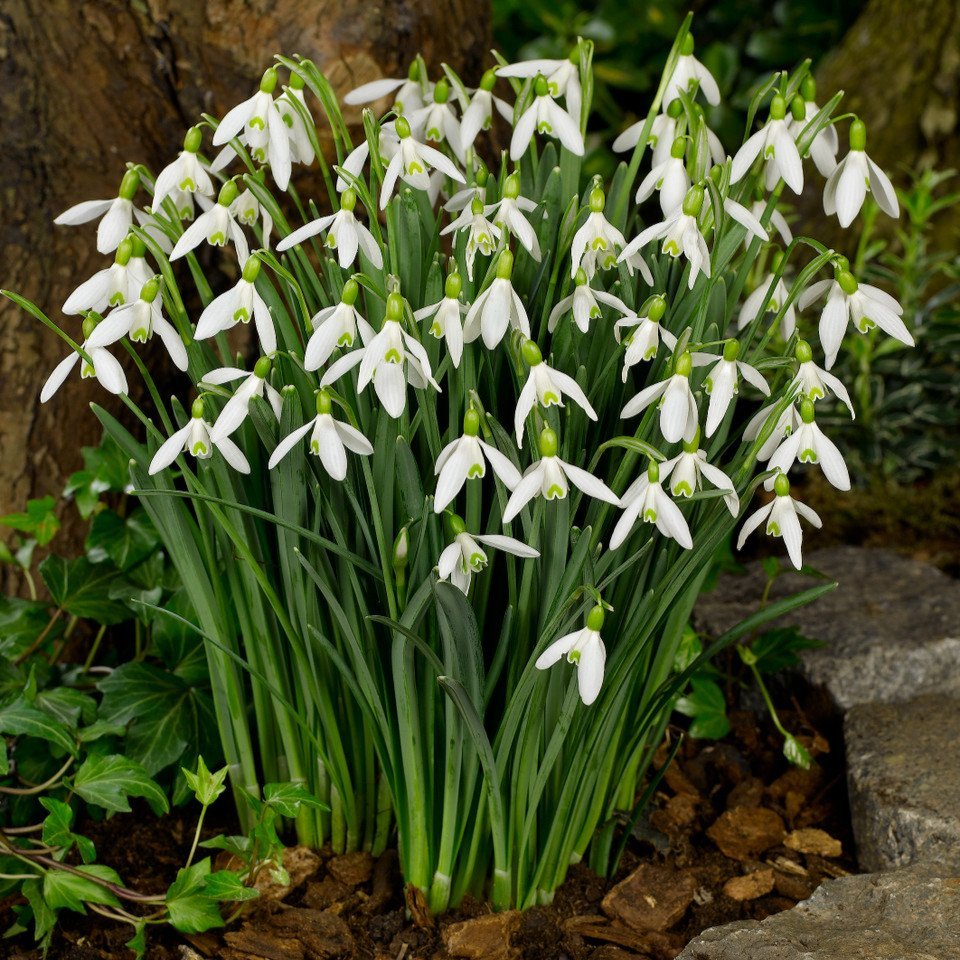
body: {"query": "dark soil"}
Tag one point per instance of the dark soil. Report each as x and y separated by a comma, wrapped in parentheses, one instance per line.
(733, 833)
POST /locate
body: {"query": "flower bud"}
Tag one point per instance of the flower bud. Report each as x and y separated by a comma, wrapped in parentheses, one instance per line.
(401, 549)
(324, 403)
(228, 193)
(781, 486)
(686, 48)
(858, 135)
(798, 109)
(731, 350)
(196, 411)
(268, 81)
(261, 369)
(350, 291)
(531, 353)
(778, 108)
(251, 269)
(413, 71)
(471, 423)
(808, 88)
(488, 80)
(595, 618)
(693, 201)
(193, 139)
(803, 352)
(549, 443)
(505, 265)
(540, 86)
(348, 199)
(675, 110)
(129, 185)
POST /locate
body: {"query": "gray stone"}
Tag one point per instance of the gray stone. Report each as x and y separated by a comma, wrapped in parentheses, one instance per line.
(903, 773)
(891, 628)
(908, 914)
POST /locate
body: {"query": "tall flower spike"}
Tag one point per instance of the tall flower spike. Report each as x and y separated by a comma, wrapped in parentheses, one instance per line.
(645, 334)
(329, 440)
(447, 317)
(336, 327)
(237, 408)
(782, 516)
(545, 116)
(548, 476)
(116, 215)
(689, 468)
(646, 500)
(688, 74)
(217, 226)
(585, 649)
(240, 304)
(411, 162)
(547, 387)
(585, 303)
(479, 114)
(186, 173)
(678, 408)
(482, 235)
(509, 214)
(809, 444)
(194, 438)
(774, 142)
(105, 367)
(597, 243)
(722, 384)
(854, 175)
(496, 309)
(465, 557)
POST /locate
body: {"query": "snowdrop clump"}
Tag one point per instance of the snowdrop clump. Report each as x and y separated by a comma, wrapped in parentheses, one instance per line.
(636, 362)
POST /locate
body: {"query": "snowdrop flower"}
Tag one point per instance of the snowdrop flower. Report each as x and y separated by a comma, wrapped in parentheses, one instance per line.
(547, 387)
(816, 383)
(786, 423)
(782, 516)
(411, 162)
(562, 76)
(479, 114)
(645, 335)
(548, 477)
(669, 178)
(775, 299)
(585, 649)
(853, 176)
(389, 358)
(185, 175)
(329, 440)
(825, 144)
(597, 242)
(465, 557)
(809, 444)
(773, 142)
(335, 327)
(438, 121)
(116, 216)
(678, 409)
(447, 313)
(109, 287)
(740, 214)
(688, 72)
(345, 234)
(104, 366)
(482, 235)
(240, 304)
(510, 210)
(646, 500)
(722, 383)
(663, 132)
(352, 166)
(217, 226)
(777, 220)
(140, 320)
(292, 98)
(496, 309)
(585, 303)
(195, 439)
(409, 96)
(545, 116)
(866, 305)
(236, 409)
(258, 121)
(247, 210)
(689, 468)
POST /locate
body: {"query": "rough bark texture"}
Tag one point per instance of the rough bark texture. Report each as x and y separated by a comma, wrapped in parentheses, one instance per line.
(87, 86)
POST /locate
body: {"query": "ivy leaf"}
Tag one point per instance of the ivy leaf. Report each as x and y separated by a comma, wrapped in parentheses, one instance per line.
(108, 781)
(287, 798)
(178, 645)
(138, 942)
(706, 705)
(69, 706)
(240, 846)
(796, 752)
(190, 910)
(776, 650)
(206, 786)
(57, 830)
(83, 589)
(21, 718)
(105, 468)
(225, 885)
(65, 890)
(44, 917)
(126, 541)
(38, 520)
(21, 622)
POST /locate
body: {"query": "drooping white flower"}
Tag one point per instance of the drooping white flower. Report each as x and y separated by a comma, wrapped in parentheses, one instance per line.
(437, 120)
(777, 220)
(116, 215)
(217, 226)
(853, 176)
(547, 387)
(104, 367)
(689, 468)
(585, 649)
(814, 382)
(390, 358)
(240, 304)
(825, 144)
(509, 214)
(259, 124)
(646, 500)
(722, 383)
(463, 198)
(775, 143)
(447, 316)
(678, 408)
(562, 76)
(194, 438)
(247, 209)
(496, 309)
(236, 409)
(479, 114)
(680, 234)
(352, 167)
(110, 287)
(411, 162)
(585, 305)
(409, 96)
(292, 98)
(866, 305)
(186, 174)
(669, 178)
(786, 423)
(809, 444)
(782, 516)
(140, 320)
(597, 243)
(643, 340)
(547, 117)
(345, 234)
(689, 72)
(778, 296)
(330, 440)
(482, 235)
(464, 557)
(663, 132)
(336, 327)
(548, 476)
(746, 218)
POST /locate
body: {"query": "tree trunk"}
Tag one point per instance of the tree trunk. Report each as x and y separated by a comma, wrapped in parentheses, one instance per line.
(87, 86)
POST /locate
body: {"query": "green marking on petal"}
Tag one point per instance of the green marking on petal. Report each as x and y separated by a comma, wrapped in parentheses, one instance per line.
(116, 299)
(241, 316)
(544, 127)
(773, 529)
(555, 492)
(187, 183)
(257, 123)
(393, 356)
(683, 489)
(650, 515)
(217, 239)
(346, 340)
(199, 449)
(475, 471)
(550, 399)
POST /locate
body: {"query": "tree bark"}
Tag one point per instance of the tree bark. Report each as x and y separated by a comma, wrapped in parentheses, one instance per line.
(87, 86)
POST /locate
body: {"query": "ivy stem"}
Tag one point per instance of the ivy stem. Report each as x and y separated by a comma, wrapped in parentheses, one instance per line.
(40, 787)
